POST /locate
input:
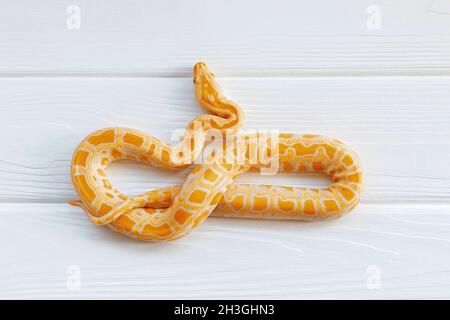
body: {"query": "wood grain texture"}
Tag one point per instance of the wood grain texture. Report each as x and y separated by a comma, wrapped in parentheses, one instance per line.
(240, 38)
(399, 127)
(230, 258)
(310, 67)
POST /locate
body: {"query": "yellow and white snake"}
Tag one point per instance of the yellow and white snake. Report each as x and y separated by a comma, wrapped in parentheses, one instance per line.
(170, 213)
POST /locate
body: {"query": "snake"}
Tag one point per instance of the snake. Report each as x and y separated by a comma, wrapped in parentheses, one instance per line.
(169, 213)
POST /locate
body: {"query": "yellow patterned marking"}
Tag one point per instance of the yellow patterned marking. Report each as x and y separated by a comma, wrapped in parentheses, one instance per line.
(181, 216)
(357, 177)
(81, 158)
(331, 205)
(104, 137)
(287, 167)
(286, 205)
(210, 175)
(318, 166)
(165, 156)
(104, 209)
(301, 149)
(260, 203)
(160, 231)
(217, 198)
(85, 188)
(125, 222)
(309, 208)
(116, 153)
(167, 196)
(330, 151)
(151, 151)
(133, 139)
(348, 194)
(348, 161)
(197, 196)
(238, 202)
(107, 184)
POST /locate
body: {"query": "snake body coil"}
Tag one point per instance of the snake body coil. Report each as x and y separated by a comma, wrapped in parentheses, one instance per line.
(170, 213)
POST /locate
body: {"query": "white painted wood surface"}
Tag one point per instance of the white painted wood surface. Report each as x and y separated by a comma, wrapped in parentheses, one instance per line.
(309, 67)
(230, 258)
(256, 37)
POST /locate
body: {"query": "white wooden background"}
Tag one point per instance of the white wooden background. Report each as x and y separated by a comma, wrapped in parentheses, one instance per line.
(308, 66)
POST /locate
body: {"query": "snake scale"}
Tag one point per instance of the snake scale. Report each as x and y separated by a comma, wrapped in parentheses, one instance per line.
(171, 212)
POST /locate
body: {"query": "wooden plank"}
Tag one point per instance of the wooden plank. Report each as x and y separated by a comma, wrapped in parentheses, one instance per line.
(400, 127)
(129, 64)
(238, 38)
(379, 251)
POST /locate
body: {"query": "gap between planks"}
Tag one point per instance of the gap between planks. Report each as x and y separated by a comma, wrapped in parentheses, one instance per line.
(410, 73)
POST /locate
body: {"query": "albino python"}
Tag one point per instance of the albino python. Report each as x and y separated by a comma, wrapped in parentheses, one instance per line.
(171, 212)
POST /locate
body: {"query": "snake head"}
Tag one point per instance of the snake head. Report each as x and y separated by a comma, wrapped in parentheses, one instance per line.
(209, 95)
(202, 73)
(207, 90)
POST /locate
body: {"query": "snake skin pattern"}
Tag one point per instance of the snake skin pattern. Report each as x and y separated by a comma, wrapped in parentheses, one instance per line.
(170, 213)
